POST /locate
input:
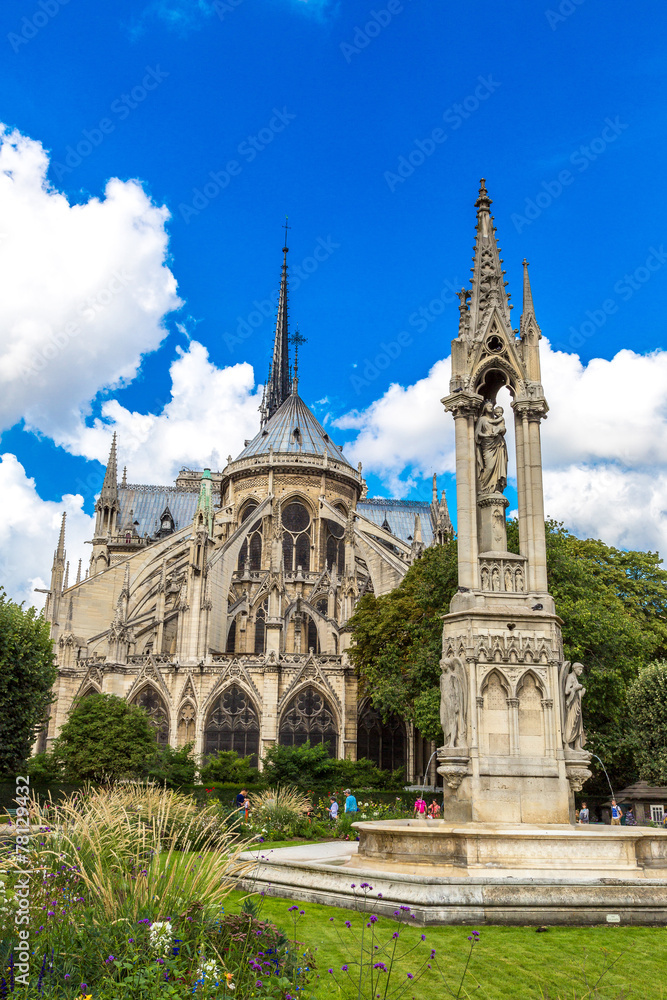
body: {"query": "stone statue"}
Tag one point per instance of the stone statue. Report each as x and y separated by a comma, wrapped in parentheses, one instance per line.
(491, 450)
(453, 701)
(571, 694)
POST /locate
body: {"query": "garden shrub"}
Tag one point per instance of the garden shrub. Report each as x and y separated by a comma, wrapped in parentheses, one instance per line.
(227, 766)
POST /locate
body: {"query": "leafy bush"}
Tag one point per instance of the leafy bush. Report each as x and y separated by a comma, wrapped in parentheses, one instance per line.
(310, 766)
(279, 812)
(173, 768)
(105, 739)
(227, 766)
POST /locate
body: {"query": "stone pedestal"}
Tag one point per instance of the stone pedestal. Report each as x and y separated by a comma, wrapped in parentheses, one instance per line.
(491, 527)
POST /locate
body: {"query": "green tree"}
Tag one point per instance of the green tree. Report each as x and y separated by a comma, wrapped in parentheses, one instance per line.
(398, 640)
(27, 675)
(647, 710)
(227, 766)
(105, 739)
(304, 766)
(173, 768)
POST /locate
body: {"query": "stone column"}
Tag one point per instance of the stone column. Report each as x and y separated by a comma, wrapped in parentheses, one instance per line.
(547, 715)
(513, 706)
(539, 561)
(521, 482)
(269, 723)
(464, 409)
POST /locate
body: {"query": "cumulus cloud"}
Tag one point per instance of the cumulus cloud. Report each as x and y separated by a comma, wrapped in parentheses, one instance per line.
(604, 443)
(29, 530)
(85, 290)
(210, 413)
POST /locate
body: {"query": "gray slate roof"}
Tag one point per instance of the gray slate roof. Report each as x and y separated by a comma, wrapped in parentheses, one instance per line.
(400, 515)
(148, 503)
(279, 433)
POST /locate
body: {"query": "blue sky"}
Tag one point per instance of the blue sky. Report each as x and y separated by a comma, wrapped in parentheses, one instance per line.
(233, 115)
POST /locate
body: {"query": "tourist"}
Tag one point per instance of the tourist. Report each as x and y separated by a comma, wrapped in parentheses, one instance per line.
(584, 816)
(420, 808)
(630, 817)
(333, 808)
(434, 810)
(350, 802)
(241, 802)
(616, 813)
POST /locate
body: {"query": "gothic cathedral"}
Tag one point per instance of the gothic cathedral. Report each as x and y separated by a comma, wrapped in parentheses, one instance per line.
(221, 604)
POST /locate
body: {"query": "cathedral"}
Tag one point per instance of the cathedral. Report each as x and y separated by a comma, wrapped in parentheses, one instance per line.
(221, 604)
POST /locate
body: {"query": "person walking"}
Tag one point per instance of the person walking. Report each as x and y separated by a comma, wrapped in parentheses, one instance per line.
(616, 813)
(350, 802)
(333, 808)
(584, 816)
(241, 802)
(434, 810)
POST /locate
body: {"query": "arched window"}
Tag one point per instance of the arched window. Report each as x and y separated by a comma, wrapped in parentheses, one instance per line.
(155, 708)
(231, 638)
(251, 550)
(260, 628)
(233, 724)
(335, 545)
(309, 716)
(312, 640)
(296, 537)
(385, 743)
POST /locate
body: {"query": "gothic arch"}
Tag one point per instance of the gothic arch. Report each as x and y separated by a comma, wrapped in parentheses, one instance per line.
(539, 683)
(309, 715)
(385, 743)
(233, 723)
(505, 684)
(149, 698)
(186, 723)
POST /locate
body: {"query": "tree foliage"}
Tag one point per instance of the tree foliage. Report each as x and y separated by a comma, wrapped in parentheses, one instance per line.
(173, 767)
(227, 766)
(105, 739)
(27, 675)
(310, 766)
(647, 711)
(613, 605)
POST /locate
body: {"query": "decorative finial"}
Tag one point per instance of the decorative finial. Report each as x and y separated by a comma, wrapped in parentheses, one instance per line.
(483, 203)
(124, 479)
(296, 339)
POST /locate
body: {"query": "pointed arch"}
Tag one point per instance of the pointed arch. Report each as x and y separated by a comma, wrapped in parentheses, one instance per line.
(232, 723)
(309, 715)
(385, 742)
(186, 724)
(155, 707)
(496, 730)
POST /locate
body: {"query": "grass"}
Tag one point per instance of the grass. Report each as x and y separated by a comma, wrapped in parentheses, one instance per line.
(509, 963)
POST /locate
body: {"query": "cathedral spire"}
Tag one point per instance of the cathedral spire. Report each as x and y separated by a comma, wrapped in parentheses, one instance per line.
(530, 331)
(59, 554)
(488, 277)
(107, 507)
(279, 387)
(110, 484)
(528, 307)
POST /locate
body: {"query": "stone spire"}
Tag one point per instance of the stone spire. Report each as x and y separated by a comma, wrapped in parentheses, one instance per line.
(108, 505)
(78, 573)
(488, 277)
(434, 498)
(57, 575)
(66, 580)
(530, 331)
(279, 387)
(204, 513)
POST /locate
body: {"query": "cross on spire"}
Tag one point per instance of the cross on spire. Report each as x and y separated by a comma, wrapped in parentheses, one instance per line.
(286, 227)
(297, 339)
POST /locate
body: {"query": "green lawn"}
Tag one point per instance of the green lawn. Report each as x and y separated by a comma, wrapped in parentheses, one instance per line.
(509, 963)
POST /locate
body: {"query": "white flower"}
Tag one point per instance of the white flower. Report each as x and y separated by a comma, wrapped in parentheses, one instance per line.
(160, 936)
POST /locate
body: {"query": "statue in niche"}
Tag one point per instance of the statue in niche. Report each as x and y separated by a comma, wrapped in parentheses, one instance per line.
(508, 578)
(453, 701)
(495, 579)
(572, 691)
(491, 450)
(518, 576)
(485, 578)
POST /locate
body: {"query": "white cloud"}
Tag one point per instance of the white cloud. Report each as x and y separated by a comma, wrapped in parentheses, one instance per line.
(85, 290)
(604, 443)
(29, 530)
(210, 413)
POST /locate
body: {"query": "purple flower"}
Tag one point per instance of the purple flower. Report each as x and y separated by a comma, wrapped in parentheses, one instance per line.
(330, 920)
(379, 895)
(423, 937)
(302, 913)
(292, 908)
(258, 983)
(331, 971)
(111, 958)
(410, 976)
(381, 966)
(343, 968)
(374, 919)
(432, 952)
(353, 886)
(67, 976)
(475, 934)
(131, 940)
(347, 923)
(395, 934)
